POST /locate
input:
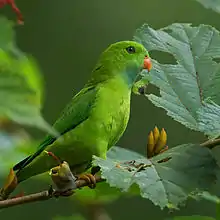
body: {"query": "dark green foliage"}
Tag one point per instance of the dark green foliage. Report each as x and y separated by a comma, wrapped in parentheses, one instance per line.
(21, 88)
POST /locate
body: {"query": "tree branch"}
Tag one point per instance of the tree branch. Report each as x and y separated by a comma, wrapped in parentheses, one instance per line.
(211, 143)
(44, 195)
(63, 180)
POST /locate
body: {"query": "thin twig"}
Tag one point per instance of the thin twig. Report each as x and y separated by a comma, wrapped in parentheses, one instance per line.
(44, 195)
(211, 143)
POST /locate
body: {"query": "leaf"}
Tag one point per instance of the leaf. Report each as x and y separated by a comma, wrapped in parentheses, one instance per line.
(193, 217)
(21, 89)
(187, 86)
(207, 196)
(208, 117)
(213, 4)
(103, 193)
(189, 168)
(20, 92)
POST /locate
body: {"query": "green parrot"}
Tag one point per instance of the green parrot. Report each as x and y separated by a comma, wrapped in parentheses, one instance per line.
(96, 117)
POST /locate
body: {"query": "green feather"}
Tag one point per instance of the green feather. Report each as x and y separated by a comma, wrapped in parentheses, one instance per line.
(75, 113)
(96, 117)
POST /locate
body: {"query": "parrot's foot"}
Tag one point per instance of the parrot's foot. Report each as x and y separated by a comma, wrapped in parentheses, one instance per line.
(57, 193)
(63, 193)
(89, 178)
(63, 179)
(156, 143)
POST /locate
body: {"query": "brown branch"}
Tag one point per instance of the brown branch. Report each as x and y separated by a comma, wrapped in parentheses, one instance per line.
(211, 143)
(44, 195)
(64, 180)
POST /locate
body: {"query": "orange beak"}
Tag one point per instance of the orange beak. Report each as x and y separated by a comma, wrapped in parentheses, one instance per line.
(147, 63)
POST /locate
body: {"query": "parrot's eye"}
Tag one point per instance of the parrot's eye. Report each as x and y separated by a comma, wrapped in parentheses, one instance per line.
(130, 49)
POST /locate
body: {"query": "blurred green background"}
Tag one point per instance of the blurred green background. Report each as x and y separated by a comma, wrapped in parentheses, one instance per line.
(66, 38)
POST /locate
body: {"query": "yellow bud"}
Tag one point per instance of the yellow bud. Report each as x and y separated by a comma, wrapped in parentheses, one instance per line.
(150, 145)
(161, 141)
(156, 133)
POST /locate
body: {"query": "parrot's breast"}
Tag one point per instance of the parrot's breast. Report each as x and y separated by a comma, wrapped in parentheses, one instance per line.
(112, 111)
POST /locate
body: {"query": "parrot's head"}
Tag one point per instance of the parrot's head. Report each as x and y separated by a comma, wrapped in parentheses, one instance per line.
(124, 58)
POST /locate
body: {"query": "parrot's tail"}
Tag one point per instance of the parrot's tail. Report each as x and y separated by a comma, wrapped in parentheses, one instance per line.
(9, 186)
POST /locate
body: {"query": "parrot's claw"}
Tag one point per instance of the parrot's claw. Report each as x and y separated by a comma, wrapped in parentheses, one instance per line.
(89, 178)
(57, 194)
(156, 143)
(51, 190)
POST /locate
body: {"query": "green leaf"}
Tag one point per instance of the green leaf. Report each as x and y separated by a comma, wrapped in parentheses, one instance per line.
(21, 88)
(193, 217)
(103, 193)
(213, 4)
(208, 117)
(207, 196)
(20, 91)
(185, 87)
(167, 184)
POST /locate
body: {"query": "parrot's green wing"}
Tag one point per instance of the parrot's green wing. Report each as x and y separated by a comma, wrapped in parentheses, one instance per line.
(74, 114)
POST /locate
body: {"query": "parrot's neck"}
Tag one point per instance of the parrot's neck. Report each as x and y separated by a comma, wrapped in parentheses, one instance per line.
(118, 85)
(130, 75)
(103, 74)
